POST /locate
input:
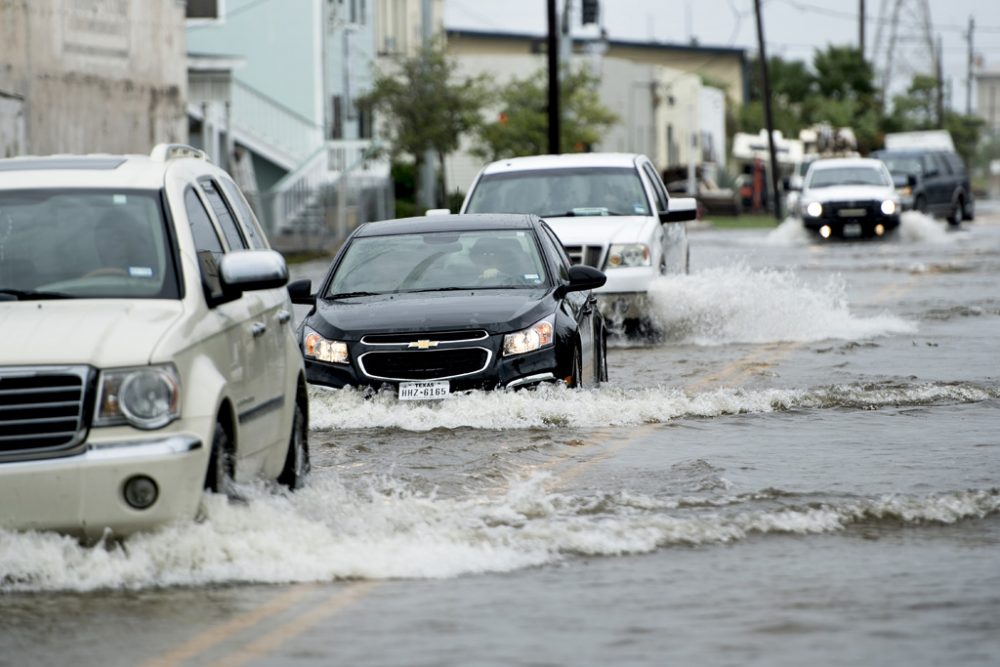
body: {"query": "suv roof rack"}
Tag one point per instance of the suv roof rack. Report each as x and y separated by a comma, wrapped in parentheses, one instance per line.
(164, 152)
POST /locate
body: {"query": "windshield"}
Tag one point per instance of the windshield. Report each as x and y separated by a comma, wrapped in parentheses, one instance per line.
(554, 193)
(903, 164)
(490, 259)
(831, 176)
(84, 244)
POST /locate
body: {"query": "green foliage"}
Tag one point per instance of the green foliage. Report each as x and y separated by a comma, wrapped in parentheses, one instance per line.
(521, 126)
(424, 105)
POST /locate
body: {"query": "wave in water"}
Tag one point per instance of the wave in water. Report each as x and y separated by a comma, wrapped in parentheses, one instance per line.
(556, 406)
(737, 304)
(914, 227)
(328, 532)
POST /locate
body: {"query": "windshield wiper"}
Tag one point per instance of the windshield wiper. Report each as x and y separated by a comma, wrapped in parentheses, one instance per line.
(436, 289)
(348, 295)
(31, 295)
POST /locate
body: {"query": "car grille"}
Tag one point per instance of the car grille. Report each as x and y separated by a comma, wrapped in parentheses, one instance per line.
(851, 209)
(43, 411)
(585, 254)
(434, 337)
(424, 364)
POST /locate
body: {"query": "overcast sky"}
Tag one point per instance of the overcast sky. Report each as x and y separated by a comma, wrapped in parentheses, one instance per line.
(794, 29)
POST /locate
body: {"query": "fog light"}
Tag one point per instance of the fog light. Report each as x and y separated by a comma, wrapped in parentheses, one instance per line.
(825, 231)
(141, 492)
(879, 229)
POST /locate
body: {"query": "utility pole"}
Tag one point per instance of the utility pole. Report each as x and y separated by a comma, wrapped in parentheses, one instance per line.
(861, 29)
(553, 62)
(768, 117)
(428, 198)
(940, 84)
(968, 71)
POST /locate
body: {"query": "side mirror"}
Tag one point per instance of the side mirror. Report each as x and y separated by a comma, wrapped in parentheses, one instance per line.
(247, 270)
(301, 292)
(911, 180)
(583, 277)
(681, 210)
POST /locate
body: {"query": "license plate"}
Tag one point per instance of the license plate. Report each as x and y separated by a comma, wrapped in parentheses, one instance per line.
(423, 391)
(852, 229)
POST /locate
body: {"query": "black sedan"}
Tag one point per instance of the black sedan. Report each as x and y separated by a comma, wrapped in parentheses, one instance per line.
(434, 305)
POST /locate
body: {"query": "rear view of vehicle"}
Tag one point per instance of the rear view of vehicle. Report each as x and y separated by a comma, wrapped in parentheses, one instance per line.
(610, 211)
(849, 198)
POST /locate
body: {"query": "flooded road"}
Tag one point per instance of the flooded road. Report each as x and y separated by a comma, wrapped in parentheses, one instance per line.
(806, 469)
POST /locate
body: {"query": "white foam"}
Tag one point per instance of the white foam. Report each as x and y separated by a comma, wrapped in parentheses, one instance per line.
(328, 532)
(790, 232)
(915, 227)
(737, 304)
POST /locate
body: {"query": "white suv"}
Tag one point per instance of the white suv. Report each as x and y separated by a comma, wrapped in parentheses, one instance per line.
(146, 343)
(610, 211)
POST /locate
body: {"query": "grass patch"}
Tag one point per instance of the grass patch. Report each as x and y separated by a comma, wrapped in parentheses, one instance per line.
(746, 221)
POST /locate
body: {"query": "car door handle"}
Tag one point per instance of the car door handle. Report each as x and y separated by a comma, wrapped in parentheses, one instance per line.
(284, 316)
(258, 329)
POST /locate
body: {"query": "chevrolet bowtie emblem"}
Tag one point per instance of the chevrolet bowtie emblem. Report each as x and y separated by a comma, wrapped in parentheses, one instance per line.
(423, 344)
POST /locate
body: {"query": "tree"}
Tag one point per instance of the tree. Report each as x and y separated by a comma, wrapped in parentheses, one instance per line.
(425, 106)
(521, 125)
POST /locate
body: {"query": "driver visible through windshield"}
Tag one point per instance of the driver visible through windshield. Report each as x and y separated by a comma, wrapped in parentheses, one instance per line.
(482, 259)
(557, 193)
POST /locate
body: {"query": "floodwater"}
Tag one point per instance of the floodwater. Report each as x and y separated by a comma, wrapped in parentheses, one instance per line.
(805, 470)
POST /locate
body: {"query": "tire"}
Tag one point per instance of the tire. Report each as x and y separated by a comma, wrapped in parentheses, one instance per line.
(221, 465)
(602, 367)
(577, 371)
(297, 466)
(920, 205)
(956, 217)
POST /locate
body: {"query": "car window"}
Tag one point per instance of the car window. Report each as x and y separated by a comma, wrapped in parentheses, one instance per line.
(206, 242)
(234, 237)
(903, 164)
(929, 164)
(86, 243)
(238, 202)
(554, 193)
(659, 191)
(556, 250)
(481, 259)
(943, 164)
(853, 175)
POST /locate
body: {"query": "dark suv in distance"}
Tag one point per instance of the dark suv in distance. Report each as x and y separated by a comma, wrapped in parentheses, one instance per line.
(931, 181)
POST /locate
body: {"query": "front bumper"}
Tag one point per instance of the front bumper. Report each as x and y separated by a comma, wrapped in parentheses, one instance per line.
(83, 494)
(862, 225)
(499, 371)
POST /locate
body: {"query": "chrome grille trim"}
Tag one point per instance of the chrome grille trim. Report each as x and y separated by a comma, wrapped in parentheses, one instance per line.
(434, 336)
(590, 255)
(486, 364)
(38, 429)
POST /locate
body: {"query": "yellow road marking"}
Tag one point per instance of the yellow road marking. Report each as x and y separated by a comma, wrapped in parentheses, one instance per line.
(220, 633)
(296, 626)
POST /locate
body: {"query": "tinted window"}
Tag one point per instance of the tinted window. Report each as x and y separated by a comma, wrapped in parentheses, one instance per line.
(554, 193)
(206, 243)
(481, 259)
(239, 203)
(86, 243)
(225, 217)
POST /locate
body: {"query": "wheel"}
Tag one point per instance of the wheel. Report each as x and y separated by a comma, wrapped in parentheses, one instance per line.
(956, 217)
(920, 205)
(297, 466)
(602, 367)
(221, 468)
(577, 372)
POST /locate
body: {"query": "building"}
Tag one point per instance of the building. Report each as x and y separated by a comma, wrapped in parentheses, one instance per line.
(658, 91)
(988, 100)
(86, 76)
(273, 96)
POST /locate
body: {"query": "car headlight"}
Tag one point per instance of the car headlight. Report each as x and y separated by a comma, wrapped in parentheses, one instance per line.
(625, 255)
(535, 337)
(888, 207)
(315, 346)
(814, 209)
(147, 397)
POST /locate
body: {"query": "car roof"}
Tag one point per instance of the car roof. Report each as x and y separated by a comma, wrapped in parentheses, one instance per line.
(447, 223)
(831, 163)
(85, 171)
(565, 161)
